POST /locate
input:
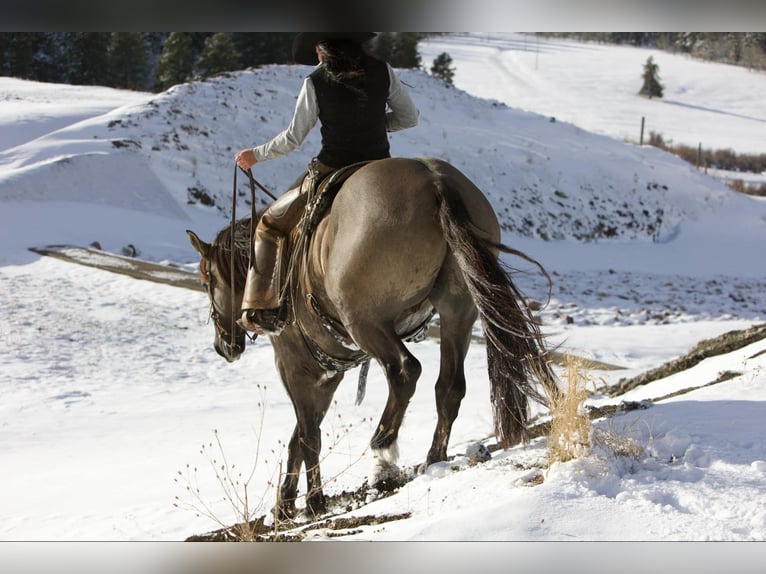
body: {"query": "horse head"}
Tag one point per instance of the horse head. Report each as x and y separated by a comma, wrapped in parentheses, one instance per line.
(215, 274)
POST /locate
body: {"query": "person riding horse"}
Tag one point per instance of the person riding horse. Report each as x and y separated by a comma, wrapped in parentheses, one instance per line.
(357, 99)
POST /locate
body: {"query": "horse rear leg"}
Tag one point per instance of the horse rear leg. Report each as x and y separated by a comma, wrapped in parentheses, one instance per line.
(402, 371)
(457, 313)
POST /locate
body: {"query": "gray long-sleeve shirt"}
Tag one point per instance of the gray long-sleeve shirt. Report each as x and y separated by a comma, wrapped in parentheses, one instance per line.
(402, 114)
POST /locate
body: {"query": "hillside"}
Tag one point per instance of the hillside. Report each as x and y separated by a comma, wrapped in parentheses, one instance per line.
(171, 156)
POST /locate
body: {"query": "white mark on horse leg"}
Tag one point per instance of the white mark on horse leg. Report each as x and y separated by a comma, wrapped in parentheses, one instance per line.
(384, 463)
(388, 455)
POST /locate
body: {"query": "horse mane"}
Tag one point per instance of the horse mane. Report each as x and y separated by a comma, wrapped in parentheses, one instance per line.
(220, 252)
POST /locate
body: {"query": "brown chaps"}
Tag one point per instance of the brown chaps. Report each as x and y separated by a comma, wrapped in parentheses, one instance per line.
(262, 287)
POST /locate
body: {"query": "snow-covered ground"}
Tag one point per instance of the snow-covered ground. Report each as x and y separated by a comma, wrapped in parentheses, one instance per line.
(110, 387)
(712, 105)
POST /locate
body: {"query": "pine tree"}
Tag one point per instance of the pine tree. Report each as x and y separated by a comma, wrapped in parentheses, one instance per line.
(218, 55)
(3, 57)
(50, 61)
(400, 49)
(175, 64)
(128, 60)
(257, 48)
(22, 54)
(382, 46)
(652, 86)
(442, 68)
(405, 53)
(89, 57)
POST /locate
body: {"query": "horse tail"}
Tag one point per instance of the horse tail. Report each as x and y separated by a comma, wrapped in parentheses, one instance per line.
(516, 351)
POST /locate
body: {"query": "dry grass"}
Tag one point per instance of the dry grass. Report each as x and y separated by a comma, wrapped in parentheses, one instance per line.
(617, 442)
(235, 484)
(249, 511)
(569, 435)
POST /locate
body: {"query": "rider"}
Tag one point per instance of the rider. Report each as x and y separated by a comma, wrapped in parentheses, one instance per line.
(357, 99)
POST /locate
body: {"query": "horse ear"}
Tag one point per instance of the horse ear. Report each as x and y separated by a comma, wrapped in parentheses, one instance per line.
(199, 246)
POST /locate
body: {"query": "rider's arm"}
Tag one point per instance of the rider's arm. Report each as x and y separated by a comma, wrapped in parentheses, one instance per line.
(403, 113)
(304, 118)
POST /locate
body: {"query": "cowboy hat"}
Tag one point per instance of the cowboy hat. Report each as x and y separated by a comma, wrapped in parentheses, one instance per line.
(304, 43)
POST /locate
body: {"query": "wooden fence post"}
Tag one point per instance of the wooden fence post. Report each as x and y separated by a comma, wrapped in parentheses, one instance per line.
(641, 141)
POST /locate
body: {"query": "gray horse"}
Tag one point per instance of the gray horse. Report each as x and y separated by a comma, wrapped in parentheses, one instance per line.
(404, 239)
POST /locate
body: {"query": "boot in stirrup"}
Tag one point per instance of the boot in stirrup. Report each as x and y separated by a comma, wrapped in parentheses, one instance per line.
(256, 317)
(262, 310)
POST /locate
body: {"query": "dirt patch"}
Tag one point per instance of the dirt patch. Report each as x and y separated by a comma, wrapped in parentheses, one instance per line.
(706, 348)
(131, 266)
(332, 525)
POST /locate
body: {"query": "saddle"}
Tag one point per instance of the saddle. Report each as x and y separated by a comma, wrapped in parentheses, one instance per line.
(321, 197)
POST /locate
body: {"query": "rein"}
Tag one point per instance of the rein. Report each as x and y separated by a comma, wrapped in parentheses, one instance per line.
(231, 257)
(253, 222)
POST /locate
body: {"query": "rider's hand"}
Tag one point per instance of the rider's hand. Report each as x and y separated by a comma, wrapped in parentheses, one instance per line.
(245, 159)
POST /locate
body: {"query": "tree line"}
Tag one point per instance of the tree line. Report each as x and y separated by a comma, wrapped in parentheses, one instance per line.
(154, 61)
(737, 48)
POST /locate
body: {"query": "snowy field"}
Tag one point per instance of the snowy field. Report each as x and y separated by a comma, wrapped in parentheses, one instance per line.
(110, 386)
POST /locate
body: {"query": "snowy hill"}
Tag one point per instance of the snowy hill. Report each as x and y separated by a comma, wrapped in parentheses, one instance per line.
(171, 155)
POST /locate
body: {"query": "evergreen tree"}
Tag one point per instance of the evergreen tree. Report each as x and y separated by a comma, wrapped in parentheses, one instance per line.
(3, 56)
(652, 86)
(382, 46)
(442, 68)
(50, 59)
(405, 53)
(218, 55)
(400, 49)
(22, 53)
(128, 60)
(175, 64)
(258, 48)
(754, 50)
(89, 57)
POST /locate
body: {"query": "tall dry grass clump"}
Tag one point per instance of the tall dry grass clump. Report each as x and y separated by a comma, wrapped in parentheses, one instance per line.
(569, 434)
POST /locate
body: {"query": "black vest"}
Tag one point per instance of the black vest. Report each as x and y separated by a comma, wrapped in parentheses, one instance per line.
(353, 130)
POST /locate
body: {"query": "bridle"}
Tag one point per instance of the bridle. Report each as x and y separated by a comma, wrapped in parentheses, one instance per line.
(235, 329)
(227, 335)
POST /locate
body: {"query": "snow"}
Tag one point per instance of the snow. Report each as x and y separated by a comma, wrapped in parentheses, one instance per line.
(109, 386)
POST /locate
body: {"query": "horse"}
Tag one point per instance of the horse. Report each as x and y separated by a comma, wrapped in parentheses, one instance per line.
(404, 238)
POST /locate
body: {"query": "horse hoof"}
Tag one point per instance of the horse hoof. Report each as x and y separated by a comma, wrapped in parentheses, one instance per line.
(316, 507)
(284, 512)
(389, 484)
(388, 479)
